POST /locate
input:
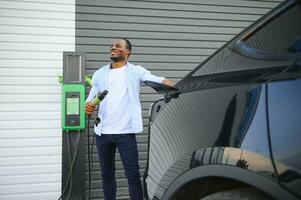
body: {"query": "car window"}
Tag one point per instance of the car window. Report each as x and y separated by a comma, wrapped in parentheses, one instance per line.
(285, 121)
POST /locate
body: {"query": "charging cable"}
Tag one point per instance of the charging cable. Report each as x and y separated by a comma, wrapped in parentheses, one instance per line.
(94, 102)
(72, 162)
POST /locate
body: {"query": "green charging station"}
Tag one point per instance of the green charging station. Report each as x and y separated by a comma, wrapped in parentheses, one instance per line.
(73, 115)
(73, 126)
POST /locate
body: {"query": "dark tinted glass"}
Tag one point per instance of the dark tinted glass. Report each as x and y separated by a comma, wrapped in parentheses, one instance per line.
(285, 121)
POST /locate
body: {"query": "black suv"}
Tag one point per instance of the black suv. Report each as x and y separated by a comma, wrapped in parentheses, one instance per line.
(233, 127)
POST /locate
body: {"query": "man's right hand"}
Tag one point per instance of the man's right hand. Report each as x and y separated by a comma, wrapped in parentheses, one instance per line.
(89, 108)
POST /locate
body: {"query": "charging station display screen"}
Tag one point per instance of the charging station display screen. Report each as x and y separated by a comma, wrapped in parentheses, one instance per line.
(73, 106)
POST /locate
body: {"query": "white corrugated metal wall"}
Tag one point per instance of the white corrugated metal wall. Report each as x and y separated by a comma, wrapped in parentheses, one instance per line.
(33, 34)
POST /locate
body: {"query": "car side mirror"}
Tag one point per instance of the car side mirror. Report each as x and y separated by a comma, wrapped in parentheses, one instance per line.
(168, 91)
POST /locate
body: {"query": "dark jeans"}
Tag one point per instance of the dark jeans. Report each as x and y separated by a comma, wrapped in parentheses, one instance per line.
(127, 146)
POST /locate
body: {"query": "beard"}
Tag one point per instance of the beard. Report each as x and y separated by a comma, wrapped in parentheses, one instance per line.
(117, 59)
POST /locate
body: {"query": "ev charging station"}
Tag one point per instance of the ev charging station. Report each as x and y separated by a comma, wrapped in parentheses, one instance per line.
(73, 126)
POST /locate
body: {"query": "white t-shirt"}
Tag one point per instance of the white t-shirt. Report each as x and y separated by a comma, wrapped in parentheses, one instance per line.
(100, 83)
(117, 113)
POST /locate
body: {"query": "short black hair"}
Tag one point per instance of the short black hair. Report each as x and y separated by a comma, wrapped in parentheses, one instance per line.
(128, 44)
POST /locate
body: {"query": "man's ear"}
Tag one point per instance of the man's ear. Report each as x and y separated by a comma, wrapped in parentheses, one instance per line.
(128, 51)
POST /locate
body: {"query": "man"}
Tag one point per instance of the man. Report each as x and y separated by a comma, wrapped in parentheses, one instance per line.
(120, 114)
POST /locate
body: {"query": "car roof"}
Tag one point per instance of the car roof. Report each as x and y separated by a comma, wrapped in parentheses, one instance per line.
(256, 55)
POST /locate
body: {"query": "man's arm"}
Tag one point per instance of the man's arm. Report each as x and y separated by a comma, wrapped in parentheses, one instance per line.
(146, 75)
(89, 107)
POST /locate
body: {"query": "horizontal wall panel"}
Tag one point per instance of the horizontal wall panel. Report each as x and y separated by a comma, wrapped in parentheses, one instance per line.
(54, 64)
(28, 124)
(38, 39)
(33, 151)
(23, 98)
(33, 106)
(32, 30)
(162, 28)
(166, 13)
(47, 2)
(30, 55)
(25, 188)
(170, 35)
(34, 89)
(29, 81)
(27, 160)
(13, 21)
(47, 115)
(144, 20)
(17, 72)
(36, 14)
(185, 5)
(42, 133)
(36, 6)
(236, 3)
(31, 196)
(23, 47)
(35, 178)
(33, 36)
(30, 142)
